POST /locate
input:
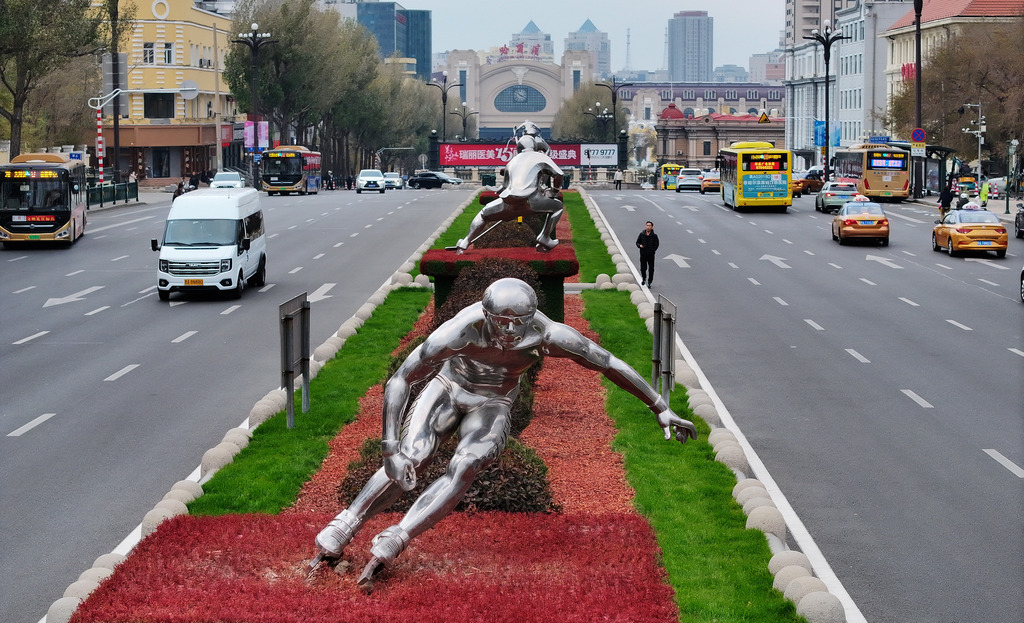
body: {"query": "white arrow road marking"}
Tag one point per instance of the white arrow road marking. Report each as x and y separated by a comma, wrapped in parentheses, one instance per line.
(778, 261)
(678, 259)
(987, 262)
(321, 293)
(629, 208)
(883, 260)
(39, 420)
(77, 296)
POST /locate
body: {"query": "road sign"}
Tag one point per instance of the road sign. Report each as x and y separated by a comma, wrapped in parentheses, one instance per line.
(764, 118)
(917, 136)
(879, 139)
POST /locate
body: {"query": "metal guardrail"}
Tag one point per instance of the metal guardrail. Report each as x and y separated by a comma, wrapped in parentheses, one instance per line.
(111, 193)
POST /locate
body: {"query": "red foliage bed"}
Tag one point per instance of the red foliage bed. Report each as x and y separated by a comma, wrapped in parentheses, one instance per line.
(597, 560)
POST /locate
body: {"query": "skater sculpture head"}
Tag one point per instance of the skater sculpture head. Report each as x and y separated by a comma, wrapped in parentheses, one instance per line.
(509, 306)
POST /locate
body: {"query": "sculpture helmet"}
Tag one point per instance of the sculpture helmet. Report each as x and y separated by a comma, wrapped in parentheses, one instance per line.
(509, 305)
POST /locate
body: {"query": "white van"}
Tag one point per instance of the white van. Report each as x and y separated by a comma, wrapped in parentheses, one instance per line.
(214, 239)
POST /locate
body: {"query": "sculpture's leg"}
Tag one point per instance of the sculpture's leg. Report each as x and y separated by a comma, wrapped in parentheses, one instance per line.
(493, 211)
(553, 210)
(482, 437)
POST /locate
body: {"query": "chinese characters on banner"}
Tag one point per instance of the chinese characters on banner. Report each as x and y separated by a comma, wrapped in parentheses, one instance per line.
(257, 135)
(497, 154)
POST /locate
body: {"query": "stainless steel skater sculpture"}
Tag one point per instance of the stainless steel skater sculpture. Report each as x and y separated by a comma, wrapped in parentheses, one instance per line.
(531, 180)
(472, 365)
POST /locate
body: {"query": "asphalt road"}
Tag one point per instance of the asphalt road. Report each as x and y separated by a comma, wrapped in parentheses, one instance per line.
(111, 396)
(883, 388)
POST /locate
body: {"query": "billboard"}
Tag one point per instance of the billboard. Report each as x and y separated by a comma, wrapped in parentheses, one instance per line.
(498, 154)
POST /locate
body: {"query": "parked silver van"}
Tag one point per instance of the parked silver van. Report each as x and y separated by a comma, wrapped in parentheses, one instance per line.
(214, 239)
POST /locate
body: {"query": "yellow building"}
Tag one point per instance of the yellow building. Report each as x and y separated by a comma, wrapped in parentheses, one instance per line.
(164, 133)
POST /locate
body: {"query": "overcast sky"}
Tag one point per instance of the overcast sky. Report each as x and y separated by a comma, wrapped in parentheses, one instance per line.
(741, 27)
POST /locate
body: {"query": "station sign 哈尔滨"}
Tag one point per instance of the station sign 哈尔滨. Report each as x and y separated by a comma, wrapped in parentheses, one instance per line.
(498, 154)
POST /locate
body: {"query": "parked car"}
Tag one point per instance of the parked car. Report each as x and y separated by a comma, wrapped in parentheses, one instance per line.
(860, 219)
(689, 179)
(227, 179)
(431, 179)
(807, 182)
(1022, 284)
(1018, 221)
(710, 181)
(393, 181)
(833, 195)
(970, 229)
(370, 179)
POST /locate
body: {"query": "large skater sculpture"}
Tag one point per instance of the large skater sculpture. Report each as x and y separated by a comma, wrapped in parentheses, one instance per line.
(531, 180)
(472, 365)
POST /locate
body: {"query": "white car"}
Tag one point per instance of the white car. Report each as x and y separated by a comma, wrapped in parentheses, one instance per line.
(227, 179)
(393, 180)
(370, 179)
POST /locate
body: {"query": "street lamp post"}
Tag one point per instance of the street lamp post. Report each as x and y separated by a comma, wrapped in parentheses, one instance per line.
(254, 40)
(601, 116)
(980, 133)
(465, 113)
(918, 173)
(614, 88)
(444, 87)
(826, 38)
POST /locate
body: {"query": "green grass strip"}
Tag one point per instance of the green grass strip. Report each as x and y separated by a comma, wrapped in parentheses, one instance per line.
(717, 567)
(591, 251)
(267, 475)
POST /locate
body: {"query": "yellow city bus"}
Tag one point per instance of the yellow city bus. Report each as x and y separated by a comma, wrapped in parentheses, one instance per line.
(291, 168)
(881, 172)
(42, 198)
(669, 172)
(756, 174)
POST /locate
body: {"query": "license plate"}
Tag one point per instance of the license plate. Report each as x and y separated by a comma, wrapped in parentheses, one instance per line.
(193, 282)
(866, 222)
(984, 242)
(33, 237)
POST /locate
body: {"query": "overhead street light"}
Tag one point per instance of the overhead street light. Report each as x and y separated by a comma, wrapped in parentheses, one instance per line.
(465, 114)
(444, 88)
(614, 88)
(602, 116)
(826, 38)
(254, 40)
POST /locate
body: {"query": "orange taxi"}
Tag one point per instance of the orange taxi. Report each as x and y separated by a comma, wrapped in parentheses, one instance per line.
(860, 218)
(710, 181)
(971, 228)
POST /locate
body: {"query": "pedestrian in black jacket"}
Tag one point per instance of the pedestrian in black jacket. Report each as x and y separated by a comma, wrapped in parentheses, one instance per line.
(647, 242)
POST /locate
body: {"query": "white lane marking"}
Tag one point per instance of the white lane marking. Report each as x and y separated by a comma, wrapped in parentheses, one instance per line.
(97, 310)
(836, 266)
(294, 227)
(119, 258)
(680, 261)
(368, 226)
(906, 218)
(318, 256)
(77, 296)
(768, 231)
(883, 261)
(909, 253)
(778, 261)
(781, 302)
(72, 274)
(96, 230)
(786, 241)
(1015, 469)
(944, 266)
(909, 302)
(808, 252)
(716, 251)
(123, 371)
(958, 325)
(701, 240)
(868, 281)
(18, 432)
(919, 400)
(23, 290)
(814, 325)
(272, 236)
(267, 287)
(16, 259)
(31, 337)
(733, 265)
(144, 296)
(294, 270)
(338, 244)
(229, 310)
(991, 283)
(184, 336)
(149, 289)
(1016, 351)
(380, 219)
(354, 235)
(753, 281)
(859, 357)
(987, 263)
(321, 293)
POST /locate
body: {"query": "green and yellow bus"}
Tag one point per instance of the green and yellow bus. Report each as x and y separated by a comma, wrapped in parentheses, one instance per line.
(42, 199)
(669, 173)
(756, 174)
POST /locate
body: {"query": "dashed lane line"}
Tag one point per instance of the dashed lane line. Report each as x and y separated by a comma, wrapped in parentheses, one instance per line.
(1015, 469)
(18, 432)
(924, 404)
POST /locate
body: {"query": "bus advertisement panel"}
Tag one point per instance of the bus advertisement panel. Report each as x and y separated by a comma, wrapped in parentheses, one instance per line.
(42, 198)
(291, 169)
(756, 174)
(881, 172)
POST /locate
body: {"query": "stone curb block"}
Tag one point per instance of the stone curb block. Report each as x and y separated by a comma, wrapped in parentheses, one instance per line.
(709, 414)
(180, 495)
(602, 279)
(154, 518)
(422, 280)
(746, 482)
(787, 575)
(720, 433)
(191, 486)
(365, 311)
(819, 607)
(800, 587)
(618, 278)
(260, 413)
(623, 268)
(733, 458)
(61, 610)
(726, 444)
(788, 558)
(757, 502)
(96, 574)
(239, 439)
(175, 506)
(750, 493)
(768, 520)
(108, 561)
(606, 286)
(217, 457)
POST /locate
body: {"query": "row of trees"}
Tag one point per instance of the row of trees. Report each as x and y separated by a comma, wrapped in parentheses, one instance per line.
(981, 64)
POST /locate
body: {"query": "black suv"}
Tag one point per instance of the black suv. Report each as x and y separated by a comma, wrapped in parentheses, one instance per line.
(430, 179)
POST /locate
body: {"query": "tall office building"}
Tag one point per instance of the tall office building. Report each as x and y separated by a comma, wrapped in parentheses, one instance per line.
(803, 16)
(590, 39)
(690, 47)
(532, 41)
(398, 30)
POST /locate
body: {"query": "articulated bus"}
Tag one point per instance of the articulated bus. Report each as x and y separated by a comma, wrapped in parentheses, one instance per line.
(669, 173)
(882, 172)
(42, 198)
(291, 169)
(756, 174)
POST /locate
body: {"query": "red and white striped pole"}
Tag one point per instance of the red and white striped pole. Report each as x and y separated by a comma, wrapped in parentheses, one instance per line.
(99, 143)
